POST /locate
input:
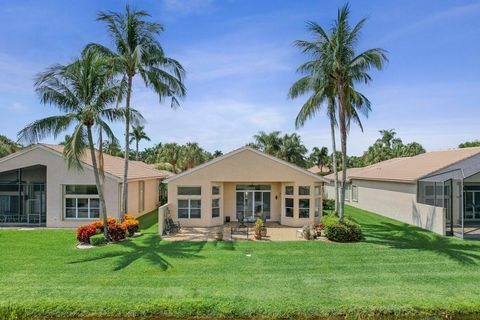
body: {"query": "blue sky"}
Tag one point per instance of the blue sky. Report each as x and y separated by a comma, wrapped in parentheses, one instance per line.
(240, 63)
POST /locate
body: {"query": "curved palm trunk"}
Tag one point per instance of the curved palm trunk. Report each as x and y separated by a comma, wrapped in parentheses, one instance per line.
(343, 142)
(334, 154)
(124, 206)
(103, 208)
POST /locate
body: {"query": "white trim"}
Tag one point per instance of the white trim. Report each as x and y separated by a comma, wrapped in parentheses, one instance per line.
(234, 152)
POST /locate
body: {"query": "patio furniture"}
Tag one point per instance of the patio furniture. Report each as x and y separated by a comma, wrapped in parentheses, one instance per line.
(170, 225)
(241, 219)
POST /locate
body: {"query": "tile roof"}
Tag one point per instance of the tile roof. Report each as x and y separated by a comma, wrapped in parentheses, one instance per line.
(410, 169)
(114, 165)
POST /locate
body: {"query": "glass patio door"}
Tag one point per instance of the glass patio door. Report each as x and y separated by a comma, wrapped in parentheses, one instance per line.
(253, 201)
(472, 205)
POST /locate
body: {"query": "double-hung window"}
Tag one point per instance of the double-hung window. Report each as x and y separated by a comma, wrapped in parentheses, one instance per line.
(81, 202)
(189, 205)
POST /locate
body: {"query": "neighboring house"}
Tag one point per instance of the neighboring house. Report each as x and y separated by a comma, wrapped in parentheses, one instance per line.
(37, 188)
(438, 191)
(245, 183)
(316, 170)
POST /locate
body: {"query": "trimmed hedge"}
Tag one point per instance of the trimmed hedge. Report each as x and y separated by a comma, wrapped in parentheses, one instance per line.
(334, 230)
(98, 240)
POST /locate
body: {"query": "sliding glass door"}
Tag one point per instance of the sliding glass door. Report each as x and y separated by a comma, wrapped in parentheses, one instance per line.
(253, 201)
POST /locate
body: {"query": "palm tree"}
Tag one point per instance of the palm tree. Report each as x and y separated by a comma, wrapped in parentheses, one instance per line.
(388, 138)
(112, 148)
(170, 153)
(83, 91)
(8, 146)
(138, 135)
(319, 157)
(336, 59)
(217, 153)
(292, 149)
(192, 155)
(268, 142)
(138, 52)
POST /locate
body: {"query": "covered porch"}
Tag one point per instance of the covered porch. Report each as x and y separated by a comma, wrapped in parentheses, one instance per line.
(458, 192)
(22, 197)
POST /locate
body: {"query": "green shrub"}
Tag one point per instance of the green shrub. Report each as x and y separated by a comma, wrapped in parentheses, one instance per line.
(98, 240)
(334, 230)
(328, 204)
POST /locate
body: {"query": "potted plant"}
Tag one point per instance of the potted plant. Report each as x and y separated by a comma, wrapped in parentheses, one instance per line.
(259, 226)
(263, 232)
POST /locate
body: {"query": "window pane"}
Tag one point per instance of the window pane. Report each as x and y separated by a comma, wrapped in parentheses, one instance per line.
(94, 213)
(82, 213)
(288, 202)
(304, 208)
(195, 213)
(70, 213)
(94, 203)
(289, 190)
(195, 204)
(253, 187)
(183, 204)
(266, 202)
(82, 203)
(189, 191)
(289, 212)
(215, 203)
(81, 189)
(215, 212)
(215, 190)
(70, 203)
(182, 213)
(304, 190)
(317, 190)
(354, 193)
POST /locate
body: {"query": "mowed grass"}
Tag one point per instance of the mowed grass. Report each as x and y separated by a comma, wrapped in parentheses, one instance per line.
(397, 270)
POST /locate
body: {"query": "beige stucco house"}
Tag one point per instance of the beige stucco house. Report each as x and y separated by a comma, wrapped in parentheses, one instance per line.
(37, 188)
(438, 191)
(245, 184)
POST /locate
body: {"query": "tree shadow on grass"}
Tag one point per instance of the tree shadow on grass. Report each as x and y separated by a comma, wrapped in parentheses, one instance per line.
(405, 236)
(150, 248)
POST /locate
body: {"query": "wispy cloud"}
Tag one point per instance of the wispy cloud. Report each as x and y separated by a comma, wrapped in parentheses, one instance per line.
(433, 19)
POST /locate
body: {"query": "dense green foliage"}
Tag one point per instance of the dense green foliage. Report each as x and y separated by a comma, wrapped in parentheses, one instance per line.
(288, 147)
(8, 146)
(348, 231)
(396, 269)
(469, 144)
(98, 240)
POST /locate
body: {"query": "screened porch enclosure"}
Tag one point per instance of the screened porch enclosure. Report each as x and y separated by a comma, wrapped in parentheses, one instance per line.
(458, 192)
(22, 197)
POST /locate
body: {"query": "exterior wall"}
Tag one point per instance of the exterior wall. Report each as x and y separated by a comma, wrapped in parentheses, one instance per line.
(57, 176)
(397, 201)
(245, 167)
(150, 196)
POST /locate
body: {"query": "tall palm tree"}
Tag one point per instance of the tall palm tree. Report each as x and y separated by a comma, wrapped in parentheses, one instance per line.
(137, 135)
(292, 149)
(319, 157)
(268, 142)
(83, 91)
(170, 153)
(138, 52)
(336, 59)
(388, 138)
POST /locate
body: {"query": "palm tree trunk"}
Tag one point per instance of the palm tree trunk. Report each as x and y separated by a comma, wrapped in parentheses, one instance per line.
(103, 208)
(124, 206)
(334, 150)
(343, 141)
(136, 151)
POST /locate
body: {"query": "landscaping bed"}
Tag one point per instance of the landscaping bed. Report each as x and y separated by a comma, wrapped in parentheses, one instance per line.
(396, 270)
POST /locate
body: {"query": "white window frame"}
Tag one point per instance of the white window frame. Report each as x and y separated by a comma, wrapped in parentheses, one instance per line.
(76, 197)
(354, 193)
(303, 209)
(189, 208)
(217, 207)
(292, 207)
(347, 192)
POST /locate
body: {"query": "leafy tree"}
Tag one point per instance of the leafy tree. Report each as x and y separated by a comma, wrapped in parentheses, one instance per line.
(112, 148)
(150, 155)
(388, 138)
(355, 162)
(268, 142)
(83, 91)
(8, 146)
(292, 149)
(336, 57)
(469, 144)
(192, 155)
(217, 153)
(138, 52)
(137, 135)
(170, 153)
(319, 157)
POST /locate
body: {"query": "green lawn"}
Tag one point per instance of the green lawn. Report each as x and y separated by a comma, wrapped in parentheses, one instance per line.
(398, 269)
